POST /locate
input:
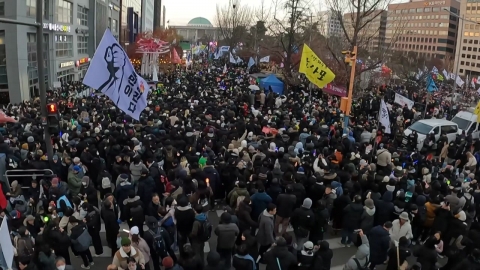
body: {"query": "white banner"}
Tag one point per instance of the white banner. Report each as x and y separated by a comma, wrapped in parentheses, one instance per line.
(113, 74)
(6, 243)
(384, 118)
(399, 99)
(265, 59)
(232, 60)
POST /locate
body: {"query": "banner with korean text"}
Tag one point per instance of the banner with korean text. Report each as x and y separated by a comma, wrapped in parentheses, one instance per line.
(314, 69)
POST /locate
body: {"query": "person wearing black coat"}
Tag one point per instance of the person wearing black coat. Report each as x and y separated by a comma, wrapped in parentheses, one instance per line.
(427, 255)
(189, 260)
(242, 260)
(379, 240)
(250, 242)
(285, 205)
(153, 206)
(88, 191)
(152, 224)
(321, 217)
(472, 262)
(214, 181)
(322, 259)
(245, 221)
(94, 226)
(279, 255)
(339, 205)
(352, 219)
(112, 227)
(384, 208)
(302, 222)
(134, 213)
(59, 240)
(185, 217)
(403, 254)
(145, 187)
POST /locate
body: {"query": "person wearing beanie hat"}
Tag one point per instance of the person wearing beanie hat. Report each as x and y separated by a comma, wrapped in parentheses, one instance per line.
(303, 221)
(120, 259)
(134, 211)
(88, 191)
(74, 180)
(287, 260)
(168, 263)
(367, 219)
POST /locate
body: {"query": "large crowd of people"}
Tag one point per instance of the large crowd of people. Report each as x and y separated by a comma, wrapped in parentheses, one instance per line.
(208, 142)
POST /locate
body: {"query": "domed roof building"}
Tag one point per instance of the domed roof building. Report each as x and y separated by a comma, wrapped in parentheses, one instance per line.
(198, 28)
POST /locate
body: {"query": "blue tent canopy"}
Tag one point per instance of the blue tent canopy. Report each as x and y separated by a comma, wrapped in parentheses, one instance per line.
(274, 82)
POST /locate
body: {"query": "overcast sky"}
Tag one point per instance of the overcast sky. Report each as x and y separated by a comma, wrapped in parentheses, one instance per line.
(179, 12)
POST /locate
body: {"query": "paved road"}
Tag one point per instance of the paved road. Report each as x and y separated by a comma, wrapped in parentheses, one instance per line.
(341, 254)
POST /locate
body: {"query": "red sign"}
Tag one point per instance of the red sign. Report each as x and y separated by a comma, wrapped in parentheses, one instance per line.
(335, 90)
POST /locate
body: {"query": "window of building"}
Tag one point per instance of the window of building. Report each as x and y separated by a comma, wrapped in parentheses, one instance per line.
(412, 10)
(82, 16)
(427, 9)
(32, 68)
(82, 44)
(462, 62)
(64, 12)
(3, 62)
(32, 8)
(66, 75)
(63, 46)
(114, 25)
(435, 9)
(419, 10)
(2, 8)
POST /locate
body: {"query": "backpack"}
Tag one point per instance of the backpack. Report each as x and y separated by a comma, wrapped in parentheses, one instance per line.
(206, 231)
(159, 244)
(106, 183)
(359, 267)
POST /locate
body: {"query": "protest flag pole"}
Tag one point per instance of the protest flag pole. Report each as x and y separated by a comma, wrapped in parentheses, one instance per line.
(40, 66)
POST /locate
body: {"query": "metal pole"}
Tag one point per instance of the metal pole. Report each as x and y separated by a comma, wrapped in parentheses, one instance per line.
(350, 90)
(458, 56)
(41, 77)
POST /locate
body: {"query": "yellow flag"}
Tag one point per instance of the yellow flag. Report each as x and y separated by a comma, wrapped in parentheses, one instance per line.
(477, 109)
(316, 71)
(478, 118)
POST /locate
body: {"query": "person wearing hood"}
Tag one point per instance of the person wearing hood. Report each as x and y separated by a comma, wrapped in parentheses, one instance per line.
(384, 208)
(112, 227)
(368, 216)
(361, 257)
(145, 186)
(149, 236)
(285, 205)
(329, 198)
(472, 261)
(189, 260)
(136, 169)
(322, 259)
(134, 213)
(81, 240)
(379, 244)
(74, 180)
(240, 189)
(16, 199)
(351, 220)
(197, 237)
(122, 190)
(302, 221)
(305, 256)
(93, 221)
(259, 200)
(401, 253)
(227, 233)
(278, 257)
(185, 217)
(88, 191)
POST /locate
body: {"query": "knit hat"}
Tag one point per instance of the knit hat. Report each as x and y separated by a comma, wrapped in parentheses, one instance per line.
(85, 180)
(77, 168)
(307, 203)
(25, 146)
(15, 214)
(167, 262)
(363, 162)
(14, 184)
(30, 139)
(125, 242)
(27, 219)
(301, 170)
(134, 230)
(369, 203)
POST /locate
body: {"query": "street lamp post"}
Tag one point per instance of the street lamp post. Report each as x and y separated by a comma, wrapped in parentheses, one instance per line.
(350, 58)
(41, 68)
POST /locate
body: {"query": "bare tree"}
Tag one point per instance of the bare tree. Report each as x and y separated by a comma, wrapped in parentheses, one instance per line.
(406, 64)
(288, 30)
(233, 20)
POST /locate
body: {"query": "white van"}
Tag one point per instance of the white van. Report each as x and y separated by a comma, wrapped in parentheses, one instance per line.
(467, 121)
(438, 126)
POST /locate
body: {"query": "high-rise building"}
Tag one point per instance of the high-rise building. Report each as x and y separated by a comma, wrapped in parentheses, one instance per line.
(372, 36)
(424, 27)
(71, 31)
(148, 9)
(157, 14)
(468, 45)
(329, 23)
(131, 11)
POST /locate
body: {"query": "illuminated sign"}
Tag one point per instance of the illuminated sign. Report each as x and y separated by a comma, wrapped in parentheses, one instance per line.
(67, 64)
(84, 60)
(56, 27)
(435, 3)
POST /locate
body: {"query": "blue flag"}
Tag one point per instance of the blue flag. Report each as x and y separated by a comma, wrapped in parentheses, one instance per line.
(431, 86)
(112, 73)
(251, 62)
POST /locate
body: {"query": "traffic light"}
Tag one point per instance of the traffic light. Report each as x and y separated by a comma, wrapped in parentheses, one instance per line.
(53, 118)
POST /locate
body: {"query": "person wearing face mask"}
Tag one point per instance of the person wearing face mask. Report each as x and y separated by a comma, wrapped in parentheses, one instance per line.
(61, 265)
